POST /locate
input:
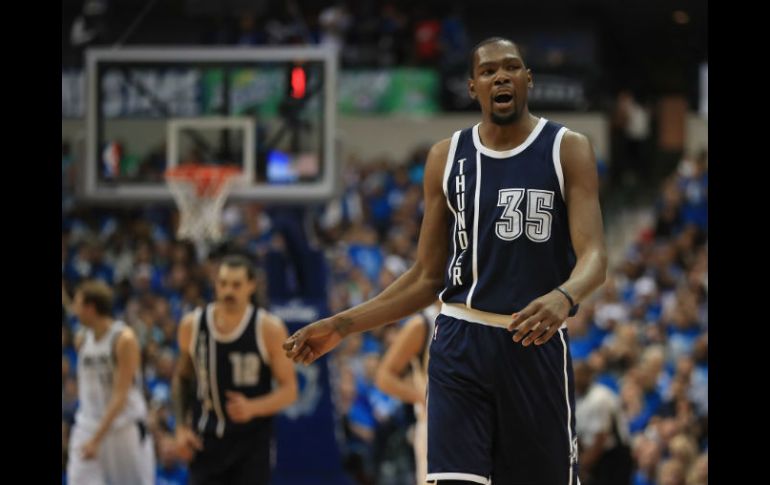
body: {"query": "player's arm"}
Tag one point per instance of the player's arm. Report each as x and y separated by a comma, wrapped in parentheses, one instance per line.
(407, 346)
(66, 301)
(412, 291)
(183, 390)
(581, 186)
(127, 363)
(581, 194)
(242, 409)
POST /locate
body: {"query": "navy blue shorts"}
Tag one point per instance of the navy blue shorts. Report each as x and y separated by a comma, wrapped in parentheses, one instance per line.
(497, 410)
(242, 459)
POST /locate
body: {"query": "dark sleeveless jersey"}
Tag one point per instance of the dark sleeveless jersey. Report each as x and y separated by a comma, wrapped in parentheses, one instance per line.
(510, 232)
(238, 363)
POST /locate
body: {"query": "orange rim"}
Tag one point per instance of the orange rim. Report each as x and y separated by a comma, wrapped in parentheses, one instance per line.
(208, 179)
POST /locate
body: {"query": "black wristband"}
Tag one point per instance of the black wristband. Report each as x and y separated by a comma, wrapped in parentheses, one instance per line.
(569, 298)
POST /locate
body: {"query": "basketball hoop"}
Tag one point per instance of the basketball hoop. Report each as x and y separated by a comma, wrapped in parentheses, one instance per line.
(200, 192)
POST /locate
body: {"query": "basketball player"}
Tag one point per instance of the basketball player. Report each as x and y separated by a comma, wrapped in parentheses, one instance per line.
(518, 197)
(109, 441)
(411, 349)
(230, 352)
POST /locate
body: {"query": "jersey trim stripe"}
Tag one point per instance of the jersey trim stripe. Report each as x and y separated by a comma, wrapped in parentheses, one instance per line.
(258, 324)
(448, 170)
(462, 312)
(204, 419)
(214, 384)
(475, 229)
(557, 160)
(513, 151)
(470, 477)
(450, 161)
(201, 393)
(236, 333)
(569, 408)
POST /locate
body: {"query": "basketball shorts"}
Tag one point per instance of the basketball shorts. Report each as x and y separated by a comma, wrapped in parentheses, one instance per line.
(126, 457)
(499, 413)
(233, 460)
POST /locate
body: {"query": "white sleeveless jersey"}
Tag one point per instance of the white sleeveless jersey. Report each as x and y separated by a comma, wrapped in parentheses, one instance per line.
(97, 367)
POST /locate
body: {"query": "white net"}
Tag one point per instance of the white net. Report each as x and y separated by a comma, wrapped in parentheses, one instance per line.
(200, 193)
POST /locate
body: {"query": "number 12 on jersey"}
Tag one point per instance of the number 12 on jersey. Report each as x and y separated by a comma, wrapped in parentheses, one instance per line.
(245, 368)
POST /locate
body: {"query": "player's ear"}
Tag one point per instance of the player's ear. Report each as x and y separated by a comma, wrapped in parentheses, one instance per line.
(530, 84)
(472, 90)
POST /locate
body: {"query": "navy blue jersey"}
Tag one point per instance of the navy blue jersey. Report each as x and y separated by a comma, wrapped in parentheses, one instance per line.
(237, 362)
(510, 233)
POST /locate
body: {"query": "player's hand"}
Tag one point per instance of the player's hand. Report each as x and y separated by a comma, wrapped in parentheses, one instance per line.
(311, 342)
(187, 443)
(541, 319)
(90, 449)
(239, 407)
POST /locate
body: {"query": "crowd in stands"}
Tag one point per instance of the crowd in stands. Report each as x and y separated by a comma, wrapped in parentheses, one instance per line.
(640, 344)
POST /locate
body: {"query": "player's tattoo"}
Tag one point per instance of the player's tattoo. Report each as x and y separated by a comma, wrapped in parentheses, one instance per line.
(342, 325)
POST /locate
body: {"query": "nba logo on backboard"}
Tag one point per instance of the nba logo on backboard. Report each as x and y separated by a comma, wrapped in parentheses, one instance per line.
(111, 159)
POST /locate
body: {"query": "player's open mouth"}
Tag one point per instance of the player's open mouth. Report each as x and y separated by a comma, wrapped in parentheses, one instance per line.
(503, 100)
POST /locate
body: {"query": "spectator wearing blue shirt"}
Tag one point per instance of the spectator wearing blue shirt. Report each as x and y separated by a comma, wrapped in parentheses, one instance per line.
(694, 183)
(584, 337)
(647, 455)
(170, 470)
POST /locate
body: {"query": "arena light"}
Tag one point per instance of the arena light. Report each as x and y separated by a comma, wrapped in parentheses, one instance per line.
(298, 82)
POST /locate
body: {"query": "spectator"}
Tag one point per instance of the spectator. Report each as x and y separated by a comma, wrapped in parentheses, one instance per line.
(170, 470)
(647, 456)
(644, 336)
(671, 473)
(699, 473)
(602, 431)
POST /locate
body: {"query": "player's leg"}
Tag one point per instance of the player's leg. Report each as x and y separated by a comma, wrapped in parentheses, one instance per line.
(460, 408)
(210, 465)
(253, 466)
(130, 455)
(535, 406)
(205, 476)
(79, 470)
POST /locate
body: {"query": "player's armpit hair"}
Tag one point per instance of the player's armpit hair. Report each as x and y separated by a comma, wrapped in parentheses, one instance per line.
(183, 391)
